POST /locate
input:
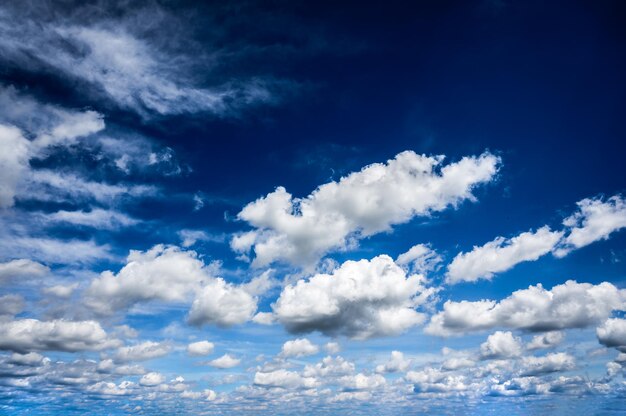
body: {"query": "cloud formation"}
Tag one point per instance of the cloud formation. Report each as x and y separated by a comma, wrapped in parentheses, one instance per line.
(361, 204)
(569, 305)
(360, 299)
(500, 255)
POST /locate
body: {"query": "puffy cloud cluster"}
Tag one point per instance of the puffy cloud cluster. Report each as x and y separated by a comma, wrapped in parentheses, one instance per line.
(500, 255)
(569, 305)
(25, 335)
(361, 204)
(419, 259)
(501, 345)
(551, 363)
(21, 269)
(595, 220)
(225, 361)
(200, 348)
(396, 363)
(300, 347)
(360, 299)
(169, 274)
(612, 333)
(546, 340)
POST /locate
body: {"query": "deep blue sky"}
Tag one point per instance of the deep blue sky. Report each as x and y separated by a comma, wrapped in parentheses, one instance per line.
(307, 93)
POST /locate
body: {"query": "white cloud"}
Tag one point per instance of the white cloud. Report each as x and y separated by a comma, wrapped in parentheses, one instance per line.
(501, 255)
(169, 274)
(500, 345)
(24, 335)
(420, 259)
(222, 304)
(140, 352)
(396, 363)
(551, 363)
(569, 305)
(361, 204)
(200, 348)
(547, 340)
(362, 381)
(329, 367)
(225, 361)
(360, 299)
(21, 269)
(61, 291)
(595, 220)
(152, 379)
(300, 347)
(161, 273)
(97, 218)
(284, 378)
(612, 333)
(263, 318)
(51, 250)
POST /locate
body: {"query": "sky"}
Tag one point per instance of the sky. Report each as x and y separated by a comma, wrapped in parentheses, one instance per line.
(320, 207)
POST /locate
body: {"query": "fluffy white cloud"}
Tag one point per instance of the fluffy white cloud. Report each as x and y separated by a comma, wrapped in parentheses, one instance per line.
(551, 363)
(61, 291)
(200, 348)
(140, 352)
(360, 299)
(501, 255)
(284, 378)
(329, 367)
(152, 379)
(396, 363)
(547, 340)
(595, 220)
(570, 305)
(361, 204)
(612, 333)
(432, 380)
(169, 274)
(21, 269)
(24, 335)
(332, 347)
(222, 304)
(500, 345)
(299, 348)
(362, 381)
(225, 361)
(420, 259)
(161, 273)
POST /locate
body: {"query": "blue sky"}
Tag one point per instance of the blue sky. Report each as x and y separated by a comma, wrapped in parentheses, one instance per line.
(275, 207)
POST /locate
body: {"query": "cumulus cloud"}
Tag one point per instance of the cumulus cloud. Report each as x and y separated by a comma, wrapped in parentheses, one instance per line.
(396, 363)
(11, 305)
(21, 269)
(551, 363)
(284, 379)
(152, 379)
(360, 299)
(547, 340)
(140, 352)
(500, 345)
(362, 204)
(300, 347)
(225, 361)
(595, 220)
(25, 335)
(223, 304)
(612, 333)
(569, 305)
(501, 255)
(200, 348)
(169, 274)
